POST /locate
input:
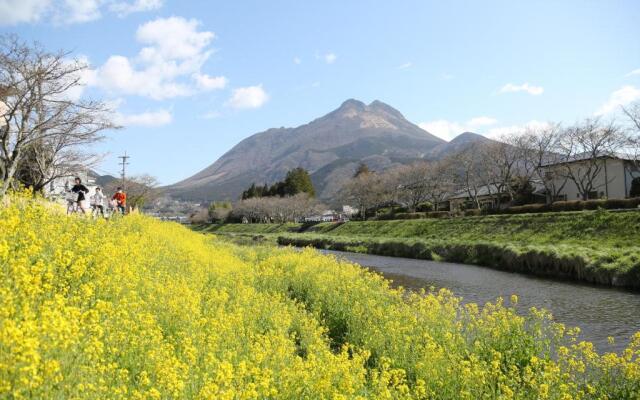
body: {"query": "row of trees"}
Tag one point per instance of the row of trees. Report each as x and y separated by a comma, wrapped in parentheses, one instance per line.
(276, 209)
(505, 169)
(45, 128)
(296, 181)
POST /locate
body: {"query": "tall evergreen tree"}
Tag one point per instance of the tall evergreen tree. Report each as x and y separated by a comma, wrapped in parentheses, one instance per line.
(297, 181)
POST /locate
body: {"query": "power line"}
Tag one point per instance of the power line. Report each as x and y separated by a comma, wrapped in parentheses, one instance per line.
(124, 164)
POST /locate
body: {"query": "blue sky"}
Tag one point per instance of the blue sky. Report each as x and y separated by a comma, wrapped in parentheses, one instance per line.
(190, 79)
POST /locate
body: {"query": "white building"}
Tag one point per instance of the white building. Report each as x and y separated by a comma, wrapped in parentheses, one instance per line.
(604, 177)
(349, 211)
(326, 216)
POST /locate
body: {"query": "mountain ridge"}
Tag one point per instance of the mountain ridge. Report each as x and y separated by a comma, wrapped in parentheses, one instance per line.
(329, 147)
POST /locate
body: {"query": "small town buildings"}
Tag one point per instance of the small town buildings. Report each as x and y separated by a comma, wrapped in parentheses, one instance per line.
(607, 176)
(325, 216)
(487, 196)
(349, 211)
(332, 216)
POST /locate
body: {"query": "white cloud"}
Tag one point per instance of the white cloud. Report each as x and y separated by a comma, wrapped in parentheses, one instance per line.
(297, 60)
(406, 65)
(206, 82)
(149, 118)
(68, 11)
(119, 76)
(499, 131)
(123, 8)
(22, 11)
(482, 121)
(330, 58)
(450, 129)
(85, 76)
(173, 38)
(621, 97)
(168, 66)
(248, 97)
(442, 128)
(634, 72)
(525, 87)
(78, 11)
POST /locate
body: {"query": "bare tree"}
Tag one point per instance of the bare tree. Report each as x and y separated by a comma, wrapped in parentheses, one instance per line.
(501, 160)
(407, 184)
(141, 190)
(276, 209)
(219, 210)
(471, 174)
(540, 148)
(439, 181)
(43, 127)
(200, 216)
(364, 191)
(633, 114)
(585, 148)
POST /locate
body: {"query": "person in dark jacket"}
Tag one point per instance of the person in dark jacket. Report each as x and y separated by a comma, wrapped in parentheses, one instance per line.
(81, 190)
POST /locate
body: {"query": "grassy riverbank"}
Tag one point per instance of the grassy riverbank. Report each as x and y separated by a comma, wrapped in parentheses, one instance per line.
(594, 246)
(135, 308)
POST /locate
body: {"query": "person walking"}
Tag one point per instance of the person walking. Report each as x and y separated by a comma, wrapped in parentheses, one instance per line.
(97, 202)
(120, 198)
(81, 191)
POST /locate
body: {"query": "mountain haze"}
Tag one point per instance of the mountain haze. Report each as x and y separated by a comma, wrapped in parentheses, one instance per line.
(330, 148)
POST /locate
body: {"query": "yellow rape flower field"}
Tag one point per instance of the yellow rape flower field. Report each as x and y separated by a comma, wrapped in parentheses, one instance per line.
(135, 308)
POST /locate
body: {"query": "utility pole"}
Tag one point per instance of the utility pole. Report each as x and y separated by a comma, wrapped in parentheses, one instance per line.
(124, 164)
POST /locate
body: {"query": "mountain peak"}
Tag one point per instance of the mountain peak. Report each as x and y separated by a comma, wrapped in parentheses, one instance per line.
(353, 103)
(384, 107)
(329, 147)
(467, 137)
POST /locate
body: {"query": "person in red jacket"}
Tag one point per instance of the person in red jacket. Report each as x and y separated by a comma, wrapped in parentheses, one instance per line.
(120, 198)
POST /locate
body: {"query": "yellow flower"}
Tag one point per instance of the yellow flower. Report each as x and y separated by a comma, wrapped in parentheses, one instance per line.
(134, 308)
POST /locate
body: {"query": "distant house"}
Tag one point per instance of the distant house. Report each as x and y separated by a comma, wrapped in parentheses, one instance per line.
(487, 196)
(607, 176)
(325, 216)
(349, 211)
(331, 216)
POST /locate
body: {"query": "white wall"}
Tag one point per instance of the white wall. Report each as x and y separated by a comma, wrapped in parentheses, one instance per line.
(614, 186)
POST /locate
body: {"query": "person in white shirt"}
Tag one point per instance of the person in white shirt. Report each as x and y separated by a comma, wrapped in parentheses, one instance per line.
(97, 202)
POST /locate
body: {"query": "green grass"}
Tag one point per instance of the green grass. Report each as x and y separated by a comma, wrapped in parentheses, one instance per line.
(589, 229)
(593, 229)
(248, 228)
(595, 246)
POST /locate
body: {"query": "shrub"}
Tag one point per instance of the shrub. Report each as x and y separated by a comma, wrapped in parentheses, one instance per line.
(622, 203)
(416, 215)
(438, 214)
(424, 207)
(528, 208)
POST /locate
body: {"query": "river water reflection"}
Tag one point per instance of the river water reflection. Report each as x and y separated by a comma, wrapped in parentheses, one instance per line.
(599, 311)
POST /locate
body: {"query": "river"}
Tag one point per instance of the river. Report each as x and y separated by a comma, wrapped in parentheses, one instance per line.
(599, 311)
